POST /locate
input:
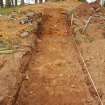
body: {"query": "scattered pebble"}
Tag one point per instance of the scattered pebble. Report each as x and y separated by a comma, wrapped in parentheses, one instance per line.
(12, 16)
(25, 20)
(30, 14)
(73, 86)
(27, 77)
(24, 34)
(61, 75)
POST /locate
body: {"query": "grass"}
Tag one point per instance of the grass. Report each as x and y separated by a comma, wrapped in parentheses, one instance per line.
(7, 11)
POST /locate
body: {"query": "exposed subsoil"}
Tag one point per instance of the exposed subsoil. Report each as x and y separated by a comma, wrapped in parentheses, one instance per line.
(49, 71)
(91, 43)
(55, 76)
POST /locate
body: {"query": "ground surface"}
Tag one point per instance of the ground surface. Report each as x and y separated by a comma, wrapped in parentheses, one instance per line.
(47, 70)
(55, 74)
(92, 46)
(93, 53)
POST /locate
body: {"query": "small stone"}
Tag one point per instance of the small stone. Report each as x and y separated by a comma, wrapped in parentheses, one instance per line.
(88, 59)
(39, 40)
(73, 86)
(27, 77)
(12, 16)
(61, 75)
(30, 14)
(24, 34)
(55, 26)
(23, 20)
(31, 92)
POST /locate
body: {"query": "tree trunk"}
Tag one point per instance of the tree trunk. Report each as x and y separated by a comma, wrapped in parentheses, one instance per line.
(8, 3)
(15, 2)
(12, 3)
(22, 2)
(1, 3)
(35, 1)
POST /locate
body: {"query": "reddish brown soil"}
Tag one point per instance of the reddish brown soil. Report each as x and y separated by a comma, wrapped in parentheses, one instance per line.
(93, 53)
(55, 76)
(92, 46)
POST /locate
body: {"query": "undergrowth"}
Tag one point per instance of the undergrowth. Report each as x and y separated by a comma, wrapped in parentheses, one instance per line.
(7, 11)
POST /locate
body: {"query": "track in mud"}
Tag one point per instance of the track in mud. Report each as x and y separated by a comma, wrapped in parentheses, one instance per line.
(55, 75)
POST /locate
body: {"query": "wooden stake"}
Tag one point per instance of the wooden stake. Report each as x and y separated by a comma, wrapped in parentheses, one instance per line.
(87, 23)
(72, 18)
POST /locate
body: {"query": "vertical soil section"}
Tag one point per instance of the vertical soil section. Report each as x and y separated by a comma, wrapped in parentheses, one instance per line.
(54, 75)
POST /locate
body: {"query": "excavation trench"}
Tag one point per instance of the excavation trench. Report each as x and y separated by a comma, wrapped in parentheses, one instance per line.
(54, 73)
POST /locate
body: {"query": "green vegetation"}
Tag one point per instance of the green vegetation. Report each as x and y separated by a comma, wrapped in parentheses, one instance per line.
(7, 11)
